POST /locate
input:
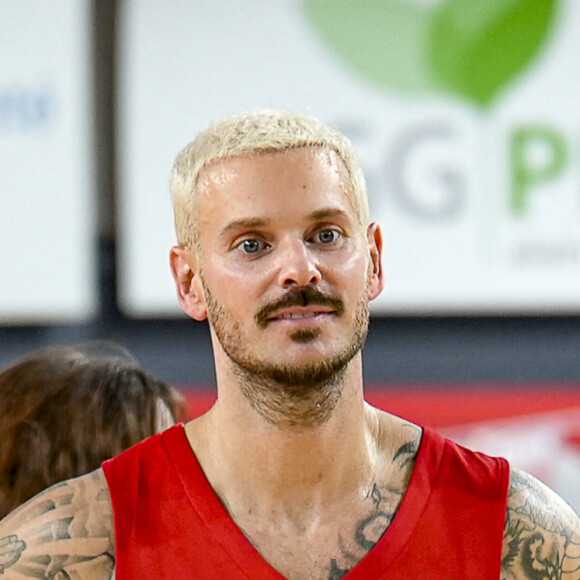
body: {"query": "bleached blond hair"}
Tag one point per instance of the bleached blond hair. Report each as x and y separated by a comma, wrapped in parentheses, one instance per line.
(253, 133)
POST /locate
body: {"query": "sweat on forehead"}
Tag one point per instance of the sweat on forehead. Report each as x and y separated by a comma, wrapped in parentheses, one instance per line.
(223, 170)
(255, 133)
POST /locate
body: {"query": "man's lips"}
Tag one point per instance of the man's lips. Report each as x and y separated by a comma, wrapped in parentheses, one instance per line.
(300, 303)
(300, 313)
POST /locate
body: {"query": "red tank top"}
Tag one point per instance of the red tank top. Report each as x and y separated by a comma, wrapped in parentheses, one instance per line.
(170, 524)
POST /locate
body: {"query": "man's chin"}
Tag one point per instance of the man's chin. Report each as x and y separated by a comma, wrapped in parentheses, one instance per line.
(302, 374)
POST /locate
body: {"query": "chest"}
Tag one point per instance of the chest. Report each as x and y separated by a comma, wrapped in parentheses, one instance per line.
(169, 523)
(329, 547)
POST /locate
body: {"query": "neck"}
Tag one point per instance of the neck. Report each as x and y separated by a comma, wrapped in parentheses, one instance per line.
(286, 459)
(294, 406)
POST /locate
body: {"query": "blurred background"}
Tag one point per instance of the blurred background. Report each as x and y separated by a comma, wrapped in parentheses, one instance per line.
(466, 118)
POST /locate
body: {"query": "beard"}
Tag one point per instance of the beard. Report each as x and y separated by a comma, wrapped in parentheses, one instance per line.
(290, 395)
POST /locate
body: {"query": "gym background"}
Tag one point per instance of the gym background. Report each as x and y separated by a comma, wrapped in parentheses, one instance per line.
(466, 117)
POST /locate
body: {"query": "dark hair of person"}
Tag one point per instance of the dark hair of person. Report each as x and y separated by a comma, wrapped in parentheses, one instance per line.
(63, 412)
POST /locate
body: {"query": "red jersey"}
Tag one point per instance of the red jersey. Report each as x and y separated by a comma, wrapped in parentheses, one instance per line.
(169, 523)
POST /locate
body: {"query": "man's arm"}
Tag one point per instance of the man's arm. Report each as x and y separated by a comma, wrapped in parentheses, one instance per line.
(542, 533)
(66, 531)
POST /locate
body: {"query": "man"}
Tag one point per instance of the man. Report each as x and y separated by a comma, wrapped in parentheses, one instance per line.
(291, 474)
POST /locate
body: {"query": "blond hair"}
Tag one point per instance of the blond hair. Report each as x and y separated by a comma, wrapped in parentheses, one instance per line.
(253, 133)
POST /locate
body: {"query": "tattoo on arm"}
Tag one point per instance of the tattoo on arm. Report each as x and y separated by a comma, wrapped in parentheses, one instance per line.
(10, 550)
(64, 532)
(542, 534)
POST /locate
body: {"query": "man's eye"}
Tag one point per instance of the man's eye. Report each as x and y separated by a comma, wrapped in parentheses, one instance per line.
(327, 236)
(251, 246)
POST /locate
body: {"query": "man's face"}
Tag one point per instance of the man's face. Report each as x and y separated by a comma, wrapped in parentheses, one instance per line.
(285, 264)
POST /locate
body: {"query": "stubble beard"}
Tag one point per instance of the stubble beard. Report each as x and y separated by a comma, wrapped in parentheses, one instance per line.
(299, 395)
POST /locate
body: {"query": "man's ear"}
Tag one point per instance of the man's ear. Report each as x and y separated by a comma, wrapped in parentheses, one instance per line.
(375, 240)
(185, 269)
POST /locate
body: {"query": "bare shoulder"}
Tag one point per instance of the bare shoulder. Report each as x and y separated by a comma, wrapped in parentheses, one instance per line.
(542, 533)
(66, 531)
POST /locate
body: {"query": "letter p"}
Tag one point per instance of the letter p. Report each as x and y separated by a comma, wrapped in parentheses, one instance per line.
(530, 169)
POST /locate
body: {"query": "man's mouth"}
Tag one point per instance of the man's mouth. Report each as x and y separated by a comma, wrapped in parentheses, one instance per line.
(297, 315)
(308, 313)
(300, 303)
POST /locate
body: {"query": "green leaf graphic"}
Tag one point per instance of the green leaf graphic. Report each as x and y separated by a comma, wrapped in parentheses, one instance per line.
(382, 40)
(477, 47)
(471, 48)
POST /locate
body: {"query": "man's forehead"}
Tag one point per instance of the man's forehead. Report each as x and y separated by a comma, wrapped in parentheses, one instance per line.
(218, 172)
(224, 170)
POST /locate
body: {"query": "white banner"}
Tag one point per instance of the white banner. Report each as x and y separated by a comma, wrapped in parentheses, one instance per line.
(465, 115)
(46, 202)
(545, 445)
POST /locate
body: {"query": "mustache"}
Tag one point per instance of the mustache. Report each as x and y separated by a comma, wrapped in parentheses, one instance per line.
(306, 296)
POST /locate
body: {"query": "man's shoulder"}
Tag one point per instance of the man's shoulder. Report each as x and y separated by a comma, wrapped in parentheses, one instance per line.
(66, 530)
(542, 532)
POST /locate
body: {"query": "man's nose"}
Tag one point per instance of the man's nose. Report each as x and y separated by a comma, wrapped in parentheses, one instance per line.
(297, 265)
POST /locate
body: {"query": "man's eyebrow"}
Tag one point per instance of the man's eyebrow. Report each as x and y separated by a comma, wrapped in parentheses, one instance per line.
(328, 212)
(245, 223)
(256, 222)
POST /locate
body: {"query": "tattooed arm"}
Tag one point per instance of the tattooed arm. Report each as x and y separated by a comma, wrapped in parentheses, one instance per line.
(542, 533)
(64, 532)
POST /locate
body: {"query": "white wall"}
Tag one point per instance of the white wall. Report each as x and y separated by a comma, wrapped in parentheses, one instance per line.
(46, 199)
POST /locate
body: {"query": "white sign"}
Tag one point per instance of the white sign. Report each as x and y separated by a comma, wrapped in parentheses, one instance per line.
(46, 199)
(465, 115)
(545, 445)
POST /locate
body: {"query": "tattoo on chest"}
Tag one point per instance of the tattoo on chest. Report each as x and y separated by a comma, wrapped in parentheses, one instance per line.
(336, 572)
(407, 453)
(367, 533)
(384, 501)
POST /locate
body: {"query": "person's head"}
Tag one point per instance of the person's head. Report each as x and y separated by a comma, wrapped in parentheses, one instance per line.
(63, 411)
(253, 133)
(277, 252)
